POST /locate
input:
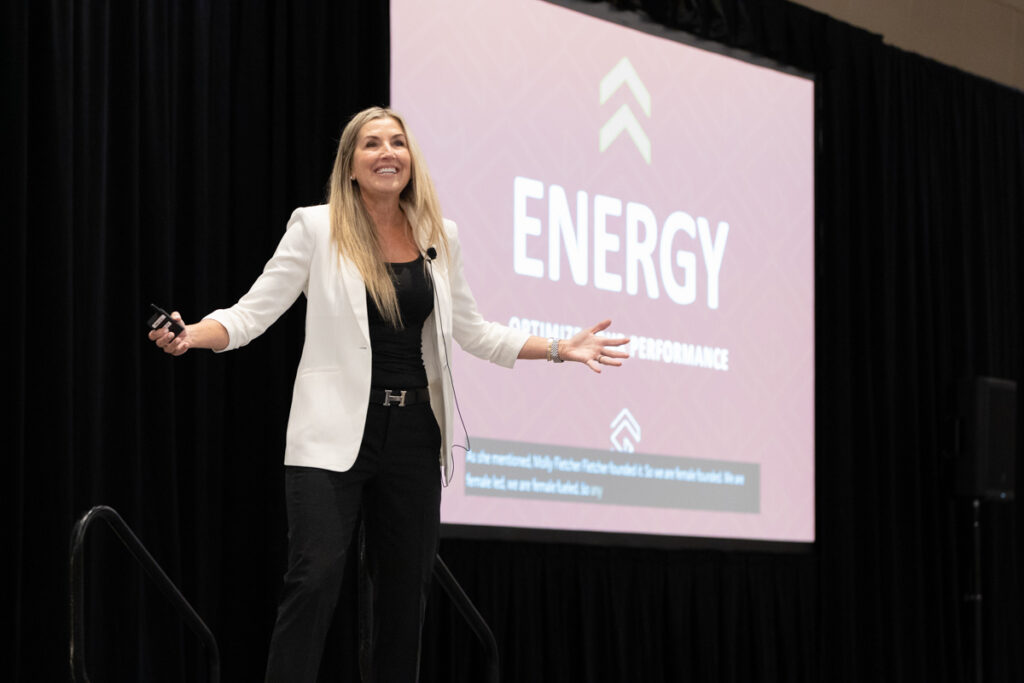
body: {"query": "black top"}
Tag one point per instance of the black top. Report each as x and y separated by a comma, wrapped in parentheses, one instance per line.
(398, 353)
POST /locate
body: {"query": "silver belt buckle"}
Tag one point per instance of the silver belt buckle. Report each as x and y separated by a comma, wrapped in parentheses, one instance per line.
(399, 399)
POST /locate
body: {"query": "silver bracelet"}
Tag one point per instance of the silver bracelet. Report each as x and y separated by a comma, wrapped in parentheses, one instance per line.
(553, 351)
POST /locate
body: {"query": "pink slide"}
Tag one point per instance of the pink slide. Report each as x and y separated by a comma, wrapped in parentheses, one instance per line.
(595, 172)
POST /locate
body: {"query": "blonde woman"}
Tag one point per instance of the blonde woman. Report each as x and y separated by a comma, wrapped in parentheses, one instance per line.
(371, 414)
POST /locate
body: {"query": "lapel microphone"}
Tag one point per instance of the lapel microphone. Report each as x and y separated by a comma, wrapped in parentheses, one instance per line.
(431, 253)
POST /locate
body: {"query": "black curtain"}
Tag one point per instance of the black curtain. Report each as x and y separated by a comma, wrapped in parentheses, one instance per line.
(158, 150)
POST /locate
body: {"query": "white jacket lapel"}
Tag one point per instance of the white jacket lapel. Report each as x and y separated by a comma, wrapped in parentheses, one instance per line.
(355, 290)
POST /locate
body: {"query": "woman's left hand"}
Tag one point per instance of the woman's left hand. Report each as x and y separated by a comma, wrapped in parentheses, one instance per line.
(593, 351)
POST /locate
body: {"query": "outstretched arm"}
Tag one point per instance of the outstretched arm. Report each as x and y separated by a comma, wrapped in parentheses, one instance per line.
(205, 334)
(584, 347)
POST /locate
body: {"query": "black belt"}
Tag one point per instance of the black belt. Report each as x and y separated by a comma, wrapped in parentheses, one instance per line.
(399, 397)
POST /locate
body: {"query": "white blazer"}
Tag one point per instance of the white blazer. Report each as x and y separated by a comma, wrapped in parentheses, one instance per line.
(332, 387)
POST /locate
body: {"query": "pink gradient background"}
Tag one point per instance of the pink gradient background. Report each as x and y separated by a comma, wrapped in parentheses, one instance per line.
(496, 90)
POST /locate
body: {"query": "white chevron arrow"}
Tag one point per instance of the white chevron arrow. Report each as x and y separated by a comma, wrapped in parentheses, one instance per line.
(623, 72)
(624, 119)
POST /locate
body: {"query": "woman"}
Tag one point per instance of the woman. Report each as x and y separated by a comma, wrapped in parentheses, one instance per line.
(381, 271)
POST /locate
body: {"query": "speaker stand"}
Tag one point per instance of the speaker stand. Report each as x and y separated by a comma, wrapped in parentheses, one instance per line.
(974, 597)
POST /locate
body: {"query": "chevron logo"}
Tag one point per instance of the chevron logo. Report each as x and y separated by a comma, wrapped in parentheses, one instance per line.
(623, 119)
(625, 432)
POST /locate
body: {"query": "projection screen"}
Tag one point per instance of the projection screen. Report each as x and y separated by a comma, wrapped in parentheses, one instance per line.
(597, 171)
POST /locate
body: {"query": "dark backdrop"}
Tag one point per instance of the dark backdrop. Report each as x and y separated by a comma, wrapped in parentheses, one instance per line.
(158, 148)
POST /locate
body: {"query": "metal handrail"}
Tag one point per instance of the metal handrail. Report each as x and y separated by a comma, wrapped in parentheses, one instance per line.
(142, 556)
(471, 615)
(132, 543)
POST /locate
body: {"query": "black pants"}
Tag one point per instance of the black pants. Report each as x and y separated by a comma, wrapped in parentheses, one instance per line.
(396, 484)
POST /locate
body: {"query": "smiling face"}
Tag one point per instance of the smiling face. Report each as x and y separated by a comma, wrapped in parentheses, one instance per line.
(381, 163)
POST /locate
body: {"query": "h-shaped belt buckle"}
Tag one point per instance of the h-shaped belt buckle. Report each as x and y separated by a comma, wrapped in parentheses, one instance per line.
(399, 399)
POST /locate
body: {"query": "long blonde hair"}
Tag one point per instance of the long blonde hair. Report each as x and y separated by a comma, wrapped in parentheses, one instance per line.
(352, 229)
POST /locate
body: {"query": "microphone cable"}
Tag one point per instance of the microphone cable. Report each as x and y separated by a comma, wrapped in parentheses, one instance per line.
(431, 255)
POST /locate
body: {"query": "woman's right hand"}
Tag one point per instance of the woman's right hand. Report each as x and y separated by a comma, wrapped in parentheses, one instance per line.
(174, 344)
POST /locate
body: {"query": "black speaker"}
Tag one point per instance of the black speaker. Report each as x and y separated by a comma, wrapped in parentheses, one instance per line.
(987, 408)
